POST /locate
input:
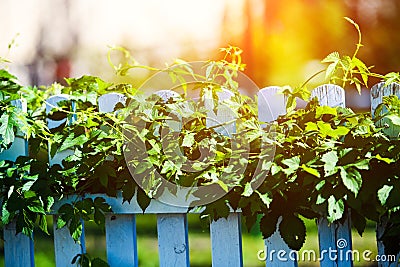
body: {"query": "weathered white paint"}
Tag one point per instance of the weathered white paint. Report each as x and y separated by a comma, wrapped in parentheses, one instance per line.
(173, 242)
(271, 103)
(332, 234)
(18, 249)
(379, 91)
(226, 241)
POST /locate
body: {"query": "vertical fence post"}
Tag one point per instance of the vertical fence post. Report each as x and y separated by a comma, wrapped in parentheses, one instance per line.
(173, 241)
(121, 241)
(18, 249)
(272, 104)
(335, 236)
(65, 247)
(226, 236)
(377, 93)
(172, 229)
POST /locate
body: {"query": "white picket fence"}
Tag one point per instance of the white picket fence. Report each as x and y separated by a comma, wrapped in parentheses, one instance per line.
(172, 225)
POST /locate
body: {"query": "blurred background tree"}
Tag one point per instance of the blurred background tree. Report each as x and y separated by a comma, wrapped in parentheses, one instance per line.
(284, 40)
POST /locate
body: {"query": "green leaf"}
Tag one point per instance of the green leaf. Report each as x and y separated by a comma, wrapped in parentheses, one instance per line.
(394, 118)
(142, 199)
(248, 190)
(311, 126)
(188, 140)
(340, 131)
(43, 224)
(320, 199)
(71, 141)
(37, 208)
(128, 190)
(5, 214)
(293, 231)
(335, 209)
(358, 221)
(330, 159)
(292, 163)
(76, 232)
(325, 129)
(268, 224)
(265, 198)
(6, 129)
(320, 185)
(384, 193)
(103, 172)
(97, 262)
(290, 104)
(310, 170)
(334, 59)
(223, 185)
(60, 222)
(325, 110)
(361, 165)
(27, 186)
(330, 70)
(103, 179)
(352, 179)
(331, 58)
(386, 160)
(391, 77)
(363, 69)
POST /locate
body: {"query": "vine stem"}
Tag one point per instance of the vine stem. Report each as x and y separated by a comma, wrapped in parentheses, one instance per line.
(312, 77)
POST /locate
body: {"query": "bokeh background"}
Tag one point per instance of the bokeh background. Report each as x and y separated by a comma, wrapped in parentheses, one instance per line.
(283, 42)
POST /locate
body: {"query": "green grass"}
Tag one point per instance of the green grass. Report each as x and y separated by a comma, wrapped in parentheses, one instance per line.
(199, 242)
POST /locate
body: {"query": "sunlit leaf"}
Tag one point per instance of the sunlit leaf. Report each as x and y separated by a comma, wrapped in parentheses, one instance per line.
(384, 193)
(335, 209)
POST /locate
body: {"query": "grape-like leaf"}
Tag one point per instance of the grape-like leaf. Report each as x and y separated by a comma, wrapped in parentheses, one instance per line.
(335, 209)
(293, 231)
(383, 193)
(268, 224)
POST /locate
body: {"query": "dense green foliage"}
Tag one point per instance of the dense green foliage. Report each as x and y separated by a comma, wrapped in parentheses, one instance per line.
(316, 162)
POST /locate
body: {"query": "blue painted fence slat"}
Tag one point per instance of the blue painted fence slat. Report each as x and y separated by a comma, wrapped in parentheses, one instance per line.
(335, 243)
(65, 247)
(334, 236)
(276, 251)
(173, 243)
(272, 104)
(18, 249)
(226, 241)
(377, 93)
(52, 104)
(121, 241)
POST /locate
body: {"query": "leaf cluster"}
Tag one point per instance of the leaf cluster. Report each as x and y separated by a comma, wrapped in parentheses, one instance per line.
(315, 162)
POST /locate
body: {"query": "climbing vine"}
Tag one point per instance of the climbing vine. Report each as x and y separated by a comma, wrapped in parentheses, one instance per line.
(316, 161)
